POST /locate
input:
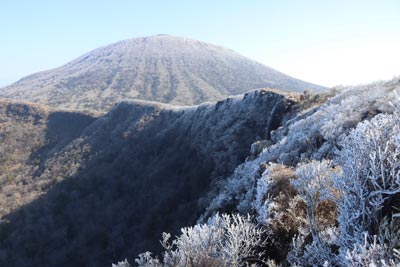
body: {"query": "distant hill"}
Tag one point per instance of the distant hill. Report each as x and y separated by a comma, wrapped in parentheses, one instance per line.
(160, 68)
(76, 184)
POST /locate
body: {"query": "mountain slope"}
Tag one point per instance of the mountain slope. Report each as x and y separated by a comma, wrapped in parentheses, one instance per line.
(324, 190)
(29, 135)
(335, 146)
(110, 187)
(159, 68)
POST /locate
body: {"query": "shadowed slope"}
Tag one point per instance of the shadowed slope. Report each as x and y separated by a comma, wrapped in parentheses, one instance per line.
(141, 169)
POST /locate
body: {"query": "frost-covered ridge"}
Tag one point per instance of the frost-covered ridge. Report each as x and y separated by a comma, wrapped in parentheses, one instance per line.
(324, 189)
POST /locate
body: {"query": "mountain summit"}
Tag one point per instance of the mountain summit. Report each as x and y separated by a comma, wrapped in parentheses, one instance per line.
(159, 68)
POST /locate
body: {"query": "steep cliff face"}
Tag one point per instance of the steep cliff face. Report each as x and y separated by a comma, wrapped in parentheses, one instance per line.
(109, 186)
(161, 68)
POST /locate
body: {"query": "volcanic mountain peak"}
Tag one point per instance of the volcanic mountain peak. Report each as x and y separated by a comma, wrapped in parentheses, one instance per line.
(159, 68)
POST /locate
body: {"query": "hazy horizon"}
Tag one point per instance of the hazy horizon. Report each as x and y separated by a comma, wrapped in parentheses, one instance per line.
(325, 44)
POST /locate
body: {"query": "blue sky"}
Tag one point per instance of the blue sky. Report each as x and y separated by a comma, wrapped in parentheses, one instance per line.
(325, 42)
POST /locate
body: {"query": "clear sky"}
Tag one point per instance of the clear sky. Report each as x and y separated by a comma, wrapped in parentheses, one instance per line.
(324, 42)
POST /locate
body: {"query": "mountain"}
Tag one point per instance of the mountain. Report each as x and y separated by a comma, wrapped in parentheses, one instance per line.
(83, 189)
(160, 68)
(306, 180)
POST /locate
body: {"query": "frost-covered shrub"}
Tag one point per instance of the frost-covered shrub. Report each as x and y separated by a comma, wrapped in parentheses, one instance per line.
(314, 184)
(311, 135)
(370, 181)
(279, 208)
(124, 263)
(365, 190)
(317, 253)
(226, 240)
(146, 260)
(262, 201)
(369, 253)
(389, 234)
(347, 157)
(196, 245)
(237, 193)
(314, 134)
(273, 184)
